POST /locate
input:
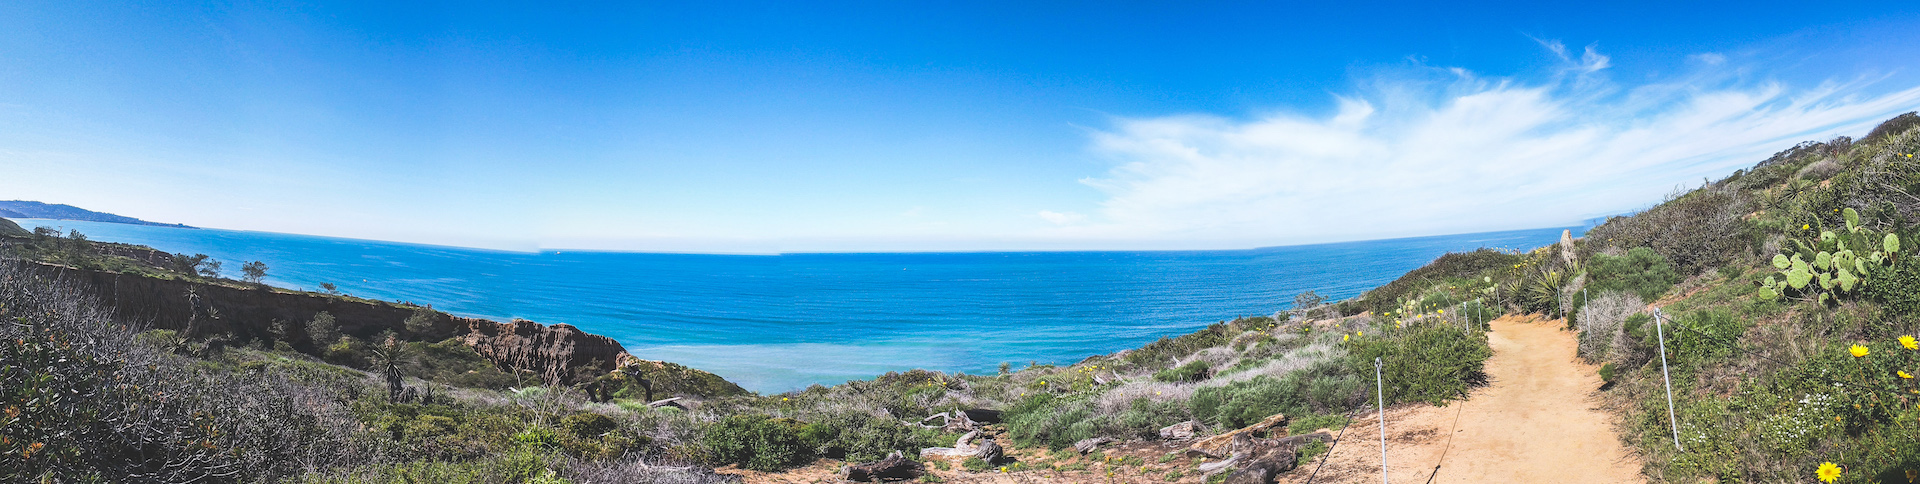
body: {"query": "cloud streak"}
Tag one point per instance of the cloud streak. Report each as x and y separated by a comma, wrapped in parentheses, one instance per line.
(1448, 151)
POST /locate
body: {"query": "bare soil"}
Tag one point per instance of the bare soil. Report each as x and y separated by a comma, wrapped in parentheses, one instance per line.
(1537, 421)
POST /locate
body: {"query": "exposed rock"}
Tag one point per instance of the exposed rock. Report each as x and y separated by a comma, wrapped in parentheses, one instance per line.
(1567, 255)
(1180, 431)
(1086, 446)
(671, 402)
(1220, 445)
(893, 468)
(554, 352)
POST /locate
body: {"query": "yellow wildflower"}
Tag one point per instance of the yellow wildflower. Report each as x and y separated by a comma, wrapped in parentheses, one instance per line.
(1359, 333)
(1003, 470)
(1903, 374)
(1858, 351)
(1804, 226)
(1828, 472)
(1909, 343)
(1346, 337)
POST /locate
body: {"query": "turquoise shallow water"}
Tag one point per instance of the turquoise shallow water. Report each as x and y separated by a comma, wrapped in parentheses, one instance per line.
(777, 323)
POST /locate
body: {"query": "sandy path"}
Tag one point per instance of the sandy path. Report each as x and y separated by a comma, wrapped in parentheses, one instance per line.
(1536, 422)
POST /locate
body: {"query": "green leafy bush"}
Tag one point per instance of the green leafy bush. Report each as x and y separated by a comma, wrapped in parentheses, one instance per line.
(858, 437)
(1641, 271)
(588, 424)
(1426, 363)
(1194, 371)
(758, 442)
(1324, 388)
(1898, 288)
(1248, 401)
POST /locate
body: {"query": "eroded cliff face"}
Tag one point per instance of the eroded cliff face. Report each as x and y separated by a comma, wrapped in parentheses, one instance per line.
(558, 353)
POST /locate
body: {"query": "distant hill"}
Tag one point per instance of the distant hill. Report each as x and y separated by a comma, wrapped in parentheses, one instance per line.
(27, 209)
(10, 229)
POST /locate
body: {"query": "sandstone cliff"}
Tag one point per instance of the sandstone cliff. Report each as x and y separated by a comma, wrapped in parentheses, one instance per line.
(559, 353)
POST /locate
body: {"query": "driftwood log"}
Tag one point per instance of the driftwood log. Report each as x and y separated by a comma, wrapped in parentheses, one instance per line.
(893, 468)
(1088, 445)
(1222, 445)
(962, 419)
(991, 453)
(1264, 468)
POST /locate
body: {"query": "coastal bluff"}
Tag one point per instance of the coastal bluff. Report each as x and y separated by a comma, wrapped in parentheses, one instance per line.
(559, 353)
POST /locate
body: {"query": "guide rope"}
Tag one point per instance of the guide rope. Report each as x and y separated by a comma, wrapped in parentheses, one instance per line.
(1328, 455)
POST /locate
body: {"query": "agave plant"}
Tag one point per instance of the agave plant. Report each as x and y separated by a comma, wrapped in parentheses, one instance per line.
(1541, 291)
(1832, 265)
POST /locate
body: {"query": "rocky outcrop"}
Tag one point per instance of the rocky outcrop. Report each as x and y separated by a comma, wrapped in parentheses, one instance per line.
(1180, 431)
(558, 353)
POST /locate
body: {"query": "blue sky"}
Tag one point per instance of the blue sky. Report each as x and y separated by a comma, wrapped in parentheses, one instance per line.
(749, 127)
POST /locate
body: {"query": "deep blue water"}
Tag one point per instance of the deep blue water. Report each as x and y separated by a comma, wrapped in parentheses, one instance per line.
(776, 323)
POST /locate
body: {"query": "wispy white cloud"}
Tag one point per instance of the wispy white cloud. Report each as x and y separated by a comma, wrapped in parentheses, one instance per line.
(1454, 152)
(1062, 218)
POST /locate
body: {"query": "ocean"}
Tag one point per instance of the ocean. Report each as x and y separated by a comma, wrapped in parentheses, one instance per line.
(774, 323)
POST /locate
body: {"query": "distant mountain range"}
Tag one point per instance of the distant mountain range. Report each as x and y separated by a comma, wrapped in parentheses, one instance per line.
(27, 209)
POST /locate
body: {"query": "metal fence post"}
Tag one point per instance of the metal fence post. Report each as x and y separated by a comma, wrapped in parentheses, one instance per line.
(1381, 387)
(1660, 330)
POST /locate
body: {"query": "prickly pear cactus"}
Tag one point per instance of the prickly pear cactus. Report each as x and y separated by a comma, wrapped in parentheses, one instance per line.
(1832, 265)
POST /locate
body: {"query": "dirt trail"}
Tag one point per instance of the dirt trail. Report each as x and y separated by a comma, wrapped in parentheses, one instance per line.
(1535, 422)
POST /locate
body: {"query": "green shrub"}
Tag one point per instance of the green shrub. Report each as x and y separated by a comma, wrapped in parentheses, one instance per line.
(1166, 350)
(1453, 265)
(1426, 363)
(858, 437)
(1309, 452)
(452, 362)
(757, 442)
(517, 467)
(588, 424)
(537, 437)
(1043, 419)
(1245, 402)
(1898, 287)
(1195, 371)
(975, 464)
(1309, 423)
